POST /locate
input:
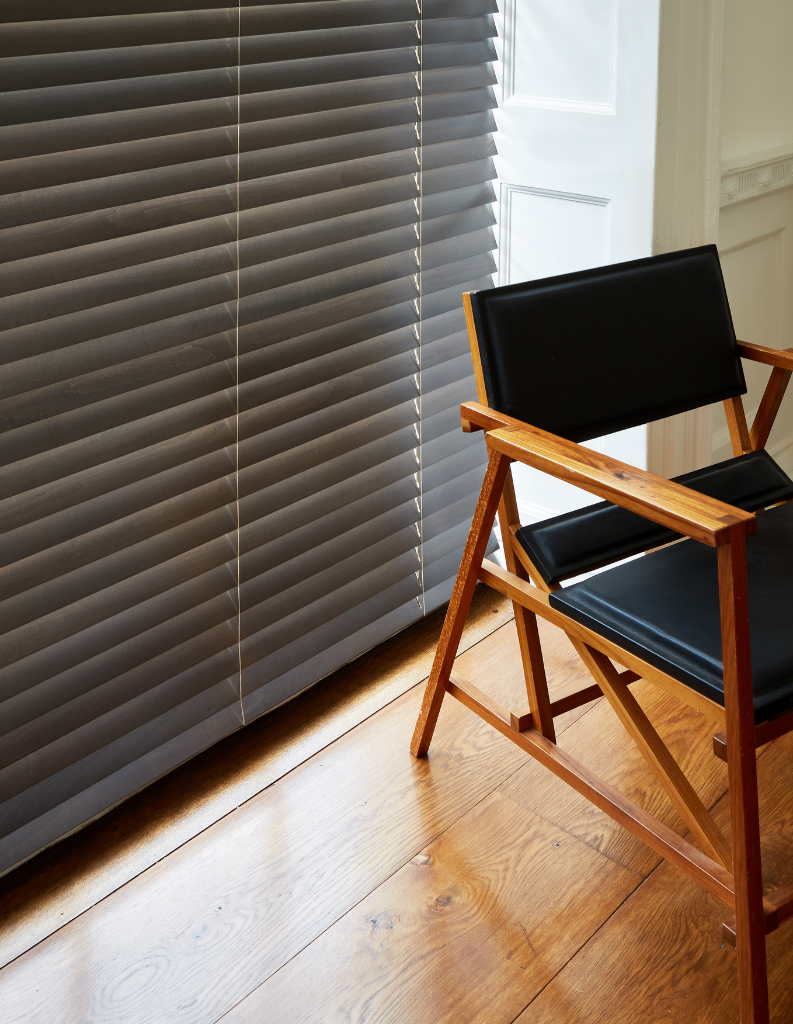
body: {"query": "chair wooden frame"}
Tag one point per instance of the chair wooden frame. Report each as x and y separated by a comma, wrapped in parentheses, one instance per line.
(732, 875)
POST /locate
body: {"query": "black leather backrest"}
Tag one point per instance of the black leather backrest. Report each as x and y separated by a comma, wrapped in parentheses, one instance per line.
(585, 354)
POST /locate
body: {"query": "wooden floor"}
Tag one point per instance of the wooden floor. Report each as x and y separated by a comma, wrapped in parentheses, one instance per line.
(361, 885)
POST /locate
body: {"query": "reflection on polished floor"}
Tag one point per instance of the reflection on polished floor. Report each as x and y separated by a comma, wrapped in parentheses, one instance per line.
(310, 870)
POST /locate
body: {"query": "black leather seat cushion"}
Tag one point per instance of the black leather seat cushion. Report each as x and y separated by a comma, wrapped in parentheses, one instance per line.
(665, 608)
(572, 543)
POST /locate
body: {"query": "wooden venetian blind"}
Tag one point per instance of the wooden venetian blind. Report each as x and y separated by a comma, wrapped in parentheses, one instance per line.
(364, 209)
(233, 242)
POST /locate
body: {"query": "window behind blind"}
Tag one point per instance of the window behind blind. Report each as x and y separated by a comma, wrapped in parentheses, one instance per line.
(233, 244)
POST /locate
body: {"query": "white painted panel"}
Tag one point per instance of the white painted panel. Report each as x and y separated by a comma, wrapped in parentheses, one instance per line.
(545, 233)
(752, 276)
(576, 146)
(561, 54)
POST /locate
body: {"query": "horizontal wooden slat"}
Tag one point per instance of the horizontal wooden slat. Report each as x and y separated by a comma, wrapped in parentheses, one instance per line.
(81, 165)
(102, 129)
(348, 457)
(164, 380)
(44, 10)
(75, 665)
(205, 266)
(53, 69)
(132, 729)
(176, 736)
(138, 584)
(332, 68)
(129, 672)
(47, 594)
(28, 106)
(84, 197)
(367, 200)
(319, 572)
(74, 33)
(374, 595)
(343, 172)
(60, 234)
(176, 26)
(212, 294)
(365, 232)
(37, 366)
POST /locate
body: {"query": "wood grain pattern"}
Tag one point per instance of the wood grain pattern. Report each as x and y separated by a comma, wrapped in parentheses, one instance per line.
(663, 501)
(769, 356)
(481, 390)
(710, 874)
(469, 930)
(673, 781)
(525, 621)
(190, 937)
(600, 742)
(744, 813)
(567, 676)
(63, 882)
(479, 416)
(509, 521)
(736, 423)
(661, 956)
(457, 612)
(474, 698)
(777, 909)
(160, 950)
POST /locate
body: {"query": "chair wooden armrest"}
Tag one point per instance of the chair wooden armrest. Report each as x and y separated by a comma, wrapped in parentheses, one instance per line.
(653, 497)
(475, 416)
(783, 358)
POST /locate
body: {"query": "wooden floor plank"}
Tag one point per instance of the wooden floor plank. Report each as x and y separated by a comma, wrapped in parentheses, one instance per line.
(190, 937)
(661, 956)
(468, 931)
(63, 882)
(602, 744)
(366, 885)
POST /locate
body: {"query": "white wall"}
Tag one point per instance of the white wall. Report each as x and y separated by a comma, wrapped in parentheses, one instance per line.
(756, 218)
(757, 90)
(754, 240)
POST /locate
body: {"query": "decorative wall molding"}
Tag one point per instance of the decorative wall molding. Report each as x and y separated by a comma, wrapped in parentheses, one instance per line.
(510, 91)
(757, 174)
(506, 193)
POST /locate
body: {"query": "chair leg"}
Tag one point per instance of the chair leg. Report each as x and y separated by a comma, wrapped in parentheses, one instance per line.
(742, 772)
(526, 621)
(484, 515)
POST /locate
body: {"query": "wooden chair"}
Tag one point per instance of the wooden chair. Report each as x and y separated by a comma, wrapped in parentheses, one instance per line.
(567, 359)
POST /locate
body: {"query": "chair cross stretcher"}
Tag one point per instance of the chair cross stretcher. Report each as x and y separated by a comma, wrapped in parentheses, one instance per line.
(567, 359)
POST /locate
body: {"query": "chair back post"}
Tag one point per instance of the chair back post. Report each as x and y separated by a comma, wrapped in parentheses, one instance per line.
(742, 770)
(736, 422)
(508, 521)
